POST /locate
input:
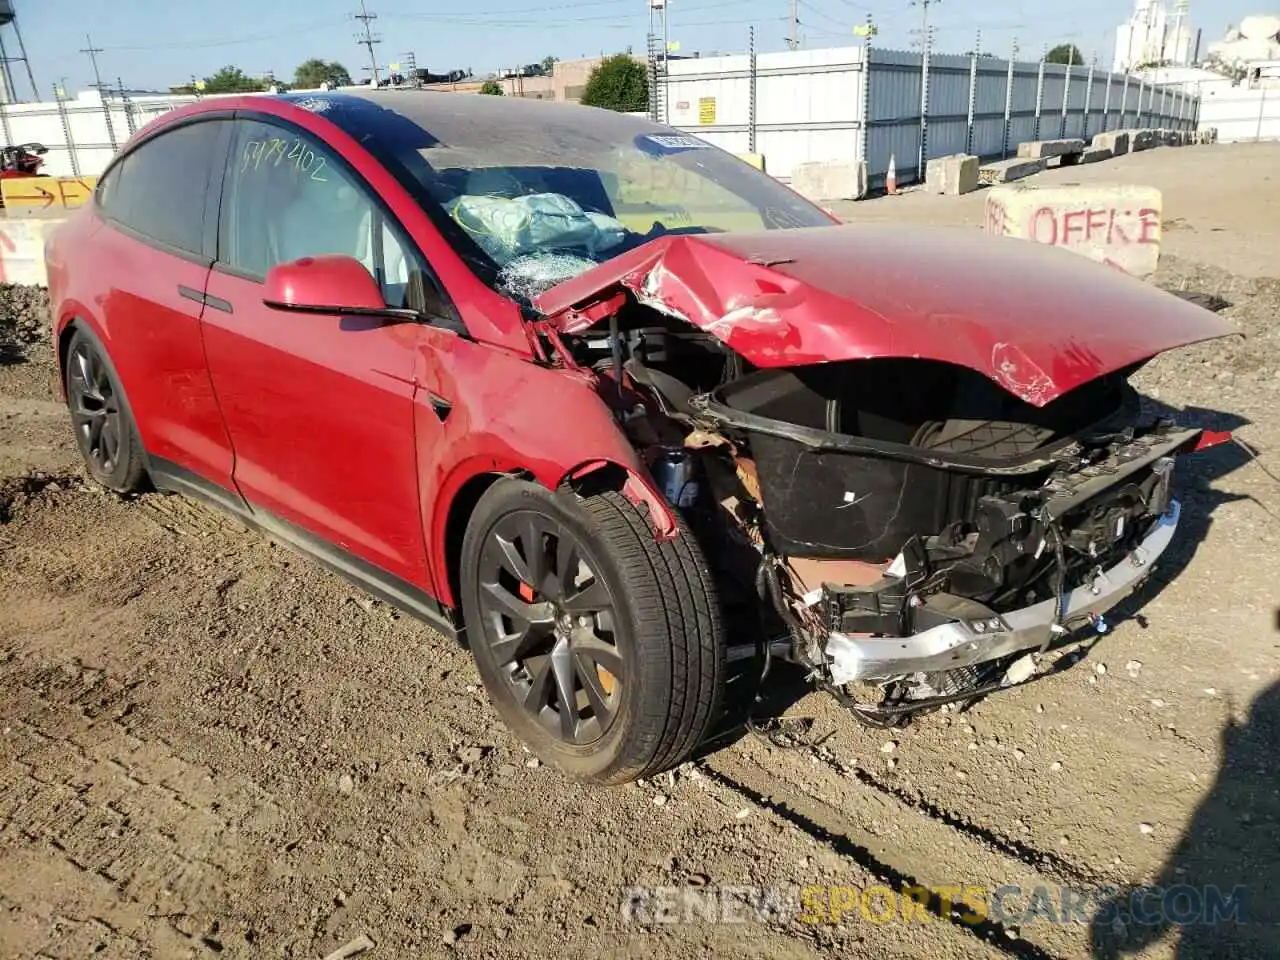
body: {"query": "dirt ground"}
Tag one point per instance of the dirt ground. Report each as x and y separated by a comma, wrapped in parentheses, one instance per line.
(211, 747)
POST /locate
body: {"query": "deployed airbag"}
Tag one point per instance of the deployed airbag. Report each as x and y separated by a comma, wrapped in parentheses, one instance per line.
(510, 227)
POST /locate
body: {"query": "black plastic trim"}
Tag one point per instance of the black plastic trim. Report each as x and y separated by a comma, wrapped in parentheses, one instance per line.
(393, 313)
(819, 440)
(401, 594)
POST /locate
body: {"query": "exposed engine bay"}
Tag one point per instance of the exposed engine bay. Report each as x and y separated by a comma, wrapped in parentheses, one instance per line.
(905, 529)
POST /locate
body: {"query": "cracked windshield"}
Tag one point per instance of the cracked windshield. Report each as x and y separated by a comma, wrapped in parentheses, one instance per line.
(536, 210)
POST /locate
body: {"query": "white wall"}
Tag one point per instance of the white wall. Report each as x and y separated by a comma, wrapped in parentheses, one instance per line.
(1238, 112)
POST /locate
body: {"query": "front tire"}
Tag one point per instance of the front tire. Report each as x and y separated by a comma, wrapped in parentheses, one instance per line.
(602, 648)
(105, 430)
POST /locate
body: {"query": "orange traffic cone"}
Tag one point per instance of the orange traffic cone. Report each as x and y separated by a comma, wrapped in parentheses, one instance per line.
(891, 178)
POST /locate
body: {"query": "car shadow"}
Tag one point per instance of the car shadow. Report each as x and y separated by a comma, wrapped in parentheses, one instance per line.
(751, 706)
(1213, 895)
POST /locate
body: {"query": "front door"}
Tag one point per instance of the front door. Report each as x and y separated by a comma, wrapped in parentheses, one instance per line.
(319, 407)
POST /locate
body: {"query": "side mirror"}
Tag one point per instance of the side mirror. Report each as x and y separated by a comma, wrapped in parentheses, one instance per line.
(332, 283)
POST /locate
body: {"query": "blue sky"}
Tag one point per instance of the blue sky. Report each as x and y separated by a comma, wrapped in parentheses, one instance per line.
(157, 43)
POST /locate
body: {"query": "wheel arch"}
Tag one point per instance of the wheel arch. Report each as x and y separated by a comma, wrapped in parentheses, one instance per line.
(590, 476)
(72, 319)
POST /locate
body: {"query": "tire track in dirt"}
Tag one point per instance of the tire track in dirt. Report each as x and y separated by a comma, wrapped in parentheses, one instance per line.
(125, 814)
(898, 845)
(203, 694)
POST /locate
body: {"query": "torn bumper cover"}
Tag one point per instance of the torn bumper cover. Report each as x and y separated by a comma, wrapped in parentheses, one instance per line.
(966, 643)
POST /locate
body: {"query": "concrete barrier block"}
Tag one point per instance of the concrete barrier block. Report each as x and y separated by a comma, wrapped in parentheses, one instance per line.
(1117, 141)
(1004, 171)
(1049, 148)
(1144, 140)
(22, 249)
(953, 175)
(1117, 225)
(1094, 154)
(830, 180)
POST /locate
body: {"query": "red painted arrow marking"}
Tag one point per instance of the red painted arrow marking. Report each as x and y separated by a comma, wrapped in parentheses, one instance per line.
(49, 198)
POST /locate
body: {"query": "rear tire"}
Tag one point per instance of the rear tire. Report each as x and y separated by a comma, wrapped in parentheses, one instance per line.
(624, 629)
(101, 416)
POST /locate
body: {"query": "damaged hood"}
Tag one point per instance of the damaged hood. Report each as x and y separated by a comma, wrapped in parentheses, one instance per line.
(1036, 320)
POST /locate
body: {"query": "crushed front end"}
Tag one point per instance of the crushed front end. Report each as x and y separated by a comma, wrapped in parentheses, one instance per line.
(917, 502)
(927, 535)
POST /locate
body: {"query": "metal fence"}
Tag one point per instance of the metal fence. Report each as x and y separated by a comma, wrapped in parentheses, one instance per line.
(854, 104)
(866, 104)
(82, 134)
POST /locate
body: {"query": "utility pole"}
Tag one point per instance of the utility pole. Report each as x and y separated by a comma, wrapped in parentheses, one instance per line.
(924, 6)
(367, 39)
(93, 52)
(926, 48)
(793, 26)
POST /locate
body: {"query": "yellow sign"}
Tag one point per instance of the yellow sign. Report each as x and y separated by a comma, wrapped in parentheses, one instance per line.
(673, 46)
(394, 68)
(865, 30)
(46, 193)
(706, 110)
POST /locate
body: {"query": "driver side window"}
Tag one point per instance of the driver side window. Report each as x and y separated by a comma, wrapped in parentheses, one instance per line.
(288, 197)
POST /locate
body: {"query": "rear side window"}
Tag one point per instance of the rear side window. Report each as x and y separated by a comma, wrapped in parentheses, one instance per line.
(158, 190)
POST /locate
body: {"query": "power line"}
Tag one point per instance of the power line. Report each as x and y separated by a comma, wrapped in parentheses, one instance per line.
(308, 27)
(824, 15)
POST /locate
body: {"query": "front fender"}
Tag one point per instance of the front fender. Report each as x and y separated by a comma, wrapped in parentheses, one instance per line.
(482, 411)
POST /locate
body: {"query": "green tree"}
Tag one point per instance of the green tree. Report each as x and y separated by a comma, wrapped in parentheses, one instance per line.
(1065, 53)
(549, 64)
(227, 80)
(491, 88)
(311, 73)
(617, 83)
(232, 80)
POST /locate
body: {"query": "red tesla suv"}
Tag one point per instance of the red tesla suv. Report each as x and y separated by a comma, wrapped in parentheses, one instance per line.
(615, 408)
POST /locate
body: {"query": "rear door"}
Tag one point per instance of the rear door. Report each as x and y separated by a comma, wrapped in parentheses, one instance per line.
(319, 407)
(156, 251)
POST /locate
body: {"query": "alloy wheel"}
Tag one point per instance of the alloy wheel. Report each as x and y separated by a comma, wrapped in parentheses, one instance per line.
(95, 409)
(550, 625)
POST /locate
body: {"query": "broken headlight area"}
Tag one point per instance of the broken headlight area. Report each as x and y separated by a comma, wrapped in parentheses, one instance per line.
(995, 527)
(901, 525)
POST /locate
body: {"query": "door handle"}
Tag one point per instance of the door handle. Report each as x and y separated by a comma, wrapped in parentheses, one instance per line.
(217, 303)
